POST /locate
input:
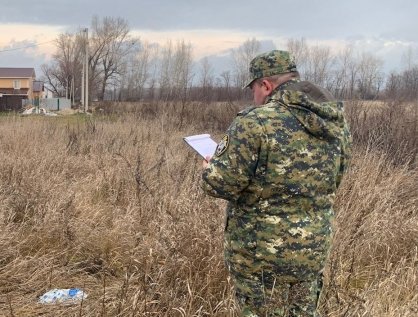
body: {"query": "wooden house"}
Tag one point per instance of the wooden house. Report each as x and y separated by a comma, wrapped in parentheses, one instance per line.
(16, 85)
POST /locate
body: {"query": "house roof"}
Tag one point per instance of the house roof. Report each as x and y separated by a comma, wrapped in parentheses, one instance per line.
(10, 72)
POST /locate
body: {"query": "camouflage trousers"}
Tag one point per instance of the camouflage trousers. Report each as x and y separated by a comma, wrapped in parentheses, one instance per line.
(275, 268)
(297, 299)
(265, 290)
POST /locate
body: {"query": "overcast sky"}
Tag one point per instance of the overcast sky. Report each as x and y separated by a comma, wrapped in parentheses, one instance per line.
(214, 27)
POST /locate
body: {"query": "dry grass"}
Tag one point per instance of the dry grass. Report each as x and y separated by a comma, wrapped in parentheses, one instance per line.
(112, 204)
(390, 127)
(373, 266)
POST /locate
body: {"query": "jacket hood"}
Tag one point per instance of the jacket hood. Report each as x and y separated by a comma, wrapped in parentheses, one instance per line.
(313, 106)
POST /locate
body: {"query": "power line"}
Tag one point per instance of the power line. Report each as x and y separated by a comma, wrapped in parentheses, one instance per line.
(22, 48)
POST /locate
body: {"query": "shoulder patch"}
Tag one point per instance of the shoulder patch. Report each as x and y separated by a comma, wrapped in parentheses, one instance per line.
(222, 146)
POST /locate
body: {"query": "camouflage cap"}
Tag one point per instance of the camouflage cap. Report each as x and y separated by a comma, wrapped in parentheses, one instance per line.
(269, 64)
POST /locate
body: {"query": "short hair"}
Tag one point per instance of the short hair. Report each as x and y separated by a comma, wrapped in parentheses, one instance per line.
(278, 79)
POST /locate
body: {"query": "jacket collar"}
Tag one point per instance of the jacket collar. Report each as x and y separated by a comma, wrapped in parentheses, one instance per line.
(280, 88)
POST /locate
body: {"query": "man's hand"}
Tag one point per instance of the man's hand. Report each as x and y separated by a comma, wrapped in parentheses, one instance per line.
(206, 161)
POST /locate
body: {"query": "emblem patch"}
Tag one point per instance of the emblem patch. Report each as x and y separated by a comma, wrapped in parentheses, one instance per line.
(223, 145)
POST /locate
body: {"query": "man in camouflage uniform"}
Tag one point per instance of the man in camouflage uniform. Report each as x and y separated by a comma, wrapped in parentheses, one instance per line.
(279, 166)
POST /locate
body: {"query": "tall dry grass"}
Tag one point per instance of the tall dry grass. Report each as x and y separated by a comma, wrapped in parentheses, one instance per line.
(111, 204)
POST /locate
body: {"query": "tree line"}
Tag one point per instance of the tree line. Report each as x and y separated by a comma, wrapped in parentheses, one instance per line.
(125, 68)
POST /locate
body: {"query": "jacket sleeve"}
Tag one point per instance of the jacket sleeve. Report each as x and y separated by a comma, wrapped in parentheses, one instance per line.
(346, 143)
(231, 169)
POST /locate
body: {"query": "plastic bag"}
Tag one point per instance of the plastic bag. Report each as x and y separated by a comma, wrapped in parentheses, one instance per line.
(67, 296)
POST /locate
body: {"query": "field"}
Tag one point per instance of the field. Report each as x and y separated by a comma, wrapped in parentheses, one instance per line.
(111, 203)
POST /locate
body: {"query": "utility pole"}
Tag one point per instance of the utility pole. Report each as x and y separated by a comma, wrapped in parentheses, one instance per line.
(86, 104)
(82, 101)
(82, 85)
(72, 89)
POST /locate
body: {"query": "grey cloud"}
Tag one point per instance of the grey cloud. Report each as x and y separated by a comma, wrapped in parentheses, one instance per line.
(315, 20)
(319, 19)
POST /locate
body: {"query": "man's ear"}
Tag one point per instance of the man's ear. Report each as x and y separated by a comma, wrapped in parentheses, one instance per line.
(268, 86)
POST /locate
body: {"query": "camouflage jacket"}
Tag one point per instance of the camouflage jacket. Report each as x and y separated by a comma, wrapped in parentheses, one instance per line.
(279, 166)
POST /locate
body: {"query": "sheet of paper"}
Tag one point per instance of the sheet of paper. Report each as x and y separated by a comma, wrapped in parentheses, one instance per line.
(202, 144)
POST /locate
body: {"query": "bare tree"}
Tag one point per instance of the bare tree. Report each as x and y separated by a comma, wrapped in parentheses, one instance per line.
(394, 86)
(138, 71)
(370, 78)
(206, 73)
(175, 71)
(182, 69)
(206, 80)
(52, 76)
(226, 83)
(164, 78)
(345, 74)
(226, 78)
(110, 44)
(242, 57)
(403, 86)
(319, 65)
(300, 52)
(63, 75)
(409, 58)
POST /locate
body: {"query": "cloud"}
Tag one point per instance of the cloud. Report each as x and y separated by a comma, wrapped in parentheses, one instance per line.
(214, 27)
(204, 42)
(23, 54)
(18, 38)
(320, 18)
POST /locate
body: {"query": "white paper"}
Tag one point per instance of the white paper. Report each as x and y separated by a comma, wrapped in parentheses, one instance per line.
(202, 144)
